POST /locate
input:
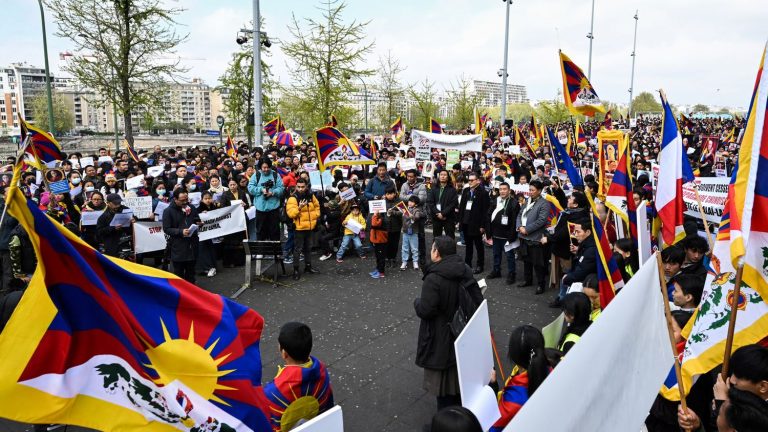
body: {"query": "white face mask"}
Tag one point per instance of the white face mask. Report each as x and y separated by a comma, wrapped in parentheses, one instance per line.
(76, 181)
(192, 187)
(563, 141)
(89, 188)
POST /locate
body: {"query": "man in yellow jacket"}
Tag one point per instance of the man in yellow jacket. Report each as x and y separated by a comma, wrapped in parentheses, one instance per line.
(304, 209)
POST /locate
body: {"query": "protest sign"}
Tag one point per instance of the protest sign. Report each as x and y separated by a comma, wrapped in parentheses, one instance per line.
(223, 221)
(348, 194)
(391, 164)
(121, 219)
(134, 182)
(141, 206)
(713, 191)
(474, 361)
(466, 165)
(643, 233)
(319, 180)
(538, 162)
(407, 164)
(105, 159)
(86, 161)
(309, 167)
(456, 142)
(377, 206)
(452, 158)
(423, 152)
(90, 218)
(155, 171)
(515, 149)
(521, 189)
(428, 170)
(194, 198)
(148, 237)
(353, 226)
(160, 208)
(720, 173)
(329, 421)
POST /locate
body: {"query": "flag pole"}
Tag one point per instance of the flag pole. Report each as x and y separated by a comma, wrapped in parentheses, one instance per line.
(703, 218)
(498, 360)
(668, 316)
(732, 321)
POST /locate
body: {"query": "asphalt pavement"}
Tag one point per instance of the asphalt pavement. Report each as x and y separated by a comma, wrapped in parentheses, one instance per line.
(365, 331)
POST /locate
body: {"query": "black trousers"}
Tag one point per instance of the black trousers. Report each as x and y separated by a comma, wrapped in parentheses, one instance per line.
(268, 225)
(447, 227)
(185, 270)
(474, 242)
(7, 271)
(393, 245)
(380, 250)
(302, 242)
(422, 245)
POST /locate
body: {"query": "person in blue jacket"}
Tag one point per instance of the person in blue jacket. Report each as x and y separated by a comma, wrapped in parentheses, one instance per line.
(376, 186)
(266, 187)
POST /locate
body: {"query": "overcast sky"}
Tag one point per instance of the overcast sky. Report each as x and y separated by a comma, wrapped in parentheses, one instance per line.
(704, 51)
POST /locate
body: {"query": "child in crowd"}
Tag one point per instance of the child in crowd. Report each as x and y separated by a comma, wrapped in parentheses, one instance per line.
(351, 236)
(577, 309)
(379, 237)
(592, 290)
(412, 221)
(686, 296)
(672, 258)
(289, 403)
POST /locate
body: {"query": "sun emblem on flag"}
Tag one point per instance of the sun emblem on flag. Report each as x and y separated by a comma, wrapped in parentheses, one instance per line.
(188, 362)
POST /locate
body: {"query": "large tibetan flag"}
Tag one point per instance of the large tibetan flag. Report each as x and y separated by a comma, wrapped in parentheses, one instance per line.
(112, 345)
(398, 130)
(619, 197)
(41, 146)
(298, 392)
(274, 126)
(131, 150)
(334, 148)
(608, 275)
(674, 171)
(580, 96)
(741, 239)
(230, 147)
(563, 161)
(434, 126)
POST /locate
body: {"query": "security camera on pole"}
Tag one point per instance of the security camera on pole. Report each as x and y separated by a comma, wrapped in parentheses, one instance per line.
(220, 122)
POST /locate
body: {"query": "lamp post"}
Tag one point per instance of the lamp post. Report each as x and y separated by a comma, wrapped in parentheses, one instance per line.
(591, 37)
(504, 76)
(632, 79)
(47, 69)
(220, 122)
(257, 73)
(114, 112)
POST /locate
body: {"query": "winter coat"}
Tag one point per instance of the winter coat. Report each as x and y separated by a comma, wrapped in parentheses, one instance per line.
(175, 221)
(394, 218)
(560, 239)
(585, 262)
(435, 307)
(419, 189)
(109, 235)
(536, 222)
(475, 217)
(448, 202)
(305, 218)
(497, 229)
(256, 186)
(377, 186)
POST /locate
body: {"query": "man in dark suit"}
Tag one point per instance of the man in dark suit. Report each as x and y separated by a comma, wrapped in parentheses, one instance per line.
(473, 212)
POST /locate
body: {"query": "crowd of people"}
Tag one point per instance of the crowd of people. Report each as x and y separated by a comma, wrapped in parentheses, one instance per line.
(469, 204)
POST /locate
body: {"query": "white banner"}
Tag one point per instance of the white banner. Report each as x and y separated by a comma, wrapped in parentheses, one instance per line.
(148, 237)
(218, 223)
(455, 142)
(713, 191)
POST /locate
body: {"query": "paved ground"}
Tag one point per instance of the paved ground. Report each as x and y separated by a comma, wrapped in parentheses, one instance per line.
(365, 331)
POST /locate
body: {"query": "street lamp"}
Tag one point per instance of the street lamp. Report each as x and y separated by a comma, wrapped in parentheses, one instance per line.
(591, 37)
(242, 38)
(632, 79)
(504, 72)
(220, 122)
(365, 96)
(47, 69)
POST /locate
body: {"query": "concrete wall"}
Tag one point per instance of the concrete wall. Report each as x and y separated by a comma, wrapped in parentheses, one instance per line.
(91, 144)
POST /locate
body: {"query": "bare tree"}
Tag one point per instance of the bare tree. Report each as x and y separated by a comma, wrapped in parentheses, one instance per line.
(426, 103)
(390, 88)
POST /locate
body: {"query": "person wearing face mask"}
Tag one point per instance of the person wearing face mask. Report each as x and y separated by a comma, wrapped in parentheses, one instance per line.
(94, 203)
(74, 179)
(183, 241)
(111, 186)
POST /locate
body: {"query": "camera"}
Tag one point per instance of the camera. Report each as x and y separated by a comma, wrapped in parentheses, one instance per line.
(268, 185)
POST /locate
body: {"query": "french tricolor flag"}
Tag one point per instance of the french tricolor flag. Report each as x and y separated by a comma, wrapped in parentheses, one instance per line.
(674, 171)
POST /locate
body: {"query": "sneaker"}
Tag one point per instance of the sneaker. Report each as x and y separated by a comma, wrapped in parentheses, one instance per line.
(288, 260)
(301, 256)
(375, 274)
(415, 265)
(460, 243)
(339, 260)
(378, 276)
(404, 266)
(212, 272)
(325, 257)
(363, 257)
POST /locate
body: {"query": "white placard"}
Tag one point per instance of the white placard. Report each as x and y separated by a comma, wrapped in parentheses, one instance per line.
(329, 421)
(505, 139)
(538, 162)
(407, 164)
(86, 161)
(107, 159)
(134, 182)
(377, 206)
(466, 165)
(90, 218)
(195, 198)
(474, 363)
(75, 163)
(160, 208)
(141, 206)
(353, 226)
(155, 171)
(122, 219)
(423, 153)
(713, 192)
(391, 164)
(643, 233)
(428, 170)
(223, 221)
(250, 212)
(515, 149)
(309, 167)
(719, 172)
(348, 194)
(148, 237)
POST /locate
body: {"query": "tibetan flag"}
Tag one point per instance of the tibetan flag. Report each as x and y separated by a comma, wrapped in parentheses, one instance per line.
(435, 126)
(274, 126)
(674, 171)
(374, 151)
(608, 121)
(619, 197)
(41, 146)
(533, 131)
(112, 345)
(554, 209)
(230, 147)
(131, 151)
(523, 143)
(298, 393)
(581, 137)
(686, 123)
(608, 275)
(334, 148)
(332, 122)
(398, 130)
(478, 123)
(580, 96)
(741, 239)
(563, 161)
(285, 139)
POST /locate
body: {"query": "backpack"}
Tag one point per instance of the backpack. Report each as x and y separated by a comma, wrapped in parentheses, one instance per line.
(258, 176)
(466, 307)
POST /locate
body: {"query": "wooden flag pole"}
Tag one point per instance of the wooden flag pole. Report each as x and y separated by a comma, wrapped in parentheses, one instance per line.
(668, 315)
(498, 360)
(732, 321)
(703, 218)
